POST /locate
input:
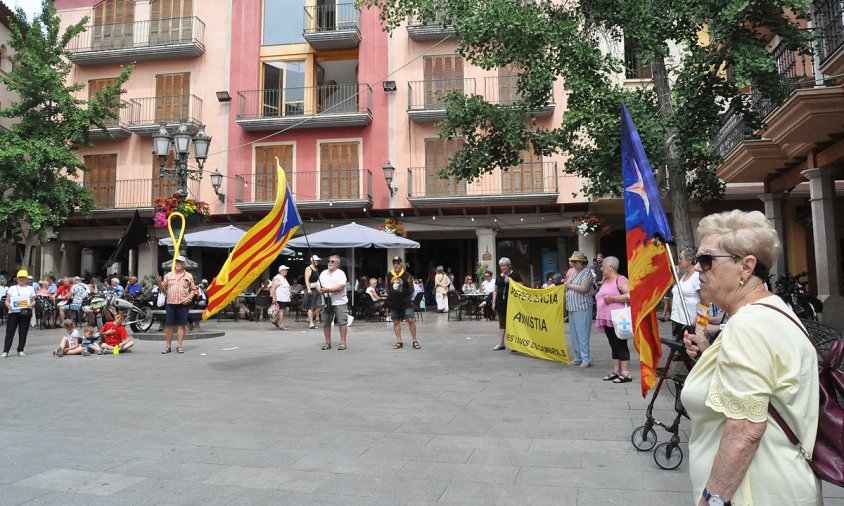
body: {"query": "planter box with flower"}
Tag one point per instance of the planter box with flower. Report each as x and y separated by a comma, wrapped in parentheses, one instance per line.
(394, 227)
(588, 223)
(194, 211)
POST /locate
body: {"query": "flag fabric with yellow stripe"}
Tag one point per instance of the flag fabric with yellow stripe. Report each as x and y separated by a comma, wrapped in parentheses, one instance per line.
(256, 250)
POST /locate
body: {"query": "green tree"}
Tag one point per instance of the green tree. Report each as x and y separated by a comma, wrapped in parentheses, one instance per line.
(677, 117)
(38, 155)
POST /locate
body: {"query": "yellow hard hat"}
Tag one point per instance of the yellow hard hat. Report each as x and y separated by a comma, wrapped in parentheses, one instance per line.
(23, 274)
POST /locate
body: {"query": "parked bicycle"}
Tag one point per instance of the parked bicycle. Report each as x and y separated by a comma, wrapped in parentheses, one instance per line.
(792, 290)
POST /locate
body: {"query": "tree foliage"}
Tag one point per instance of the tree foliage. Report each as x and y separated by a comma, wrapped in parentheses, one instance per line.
(551, 39)
(38, 155)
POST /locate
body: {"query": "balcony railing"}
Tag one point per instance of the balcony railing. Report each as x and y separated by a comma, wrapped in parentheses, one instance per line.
(326, 188)
(117, 128)
(829, 21)
(732, 133)
(430, 94)
(133, 193)
(332, 26)
(331, 105)
(504, 90)
(529, 178)
(634, 68)
(432, 29)
(141, 40)
(150, 112)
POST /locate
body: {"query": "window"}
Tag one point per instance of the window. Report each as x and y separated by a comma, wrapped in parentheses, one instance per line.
(163, 187)
(101, 179)
(634, 67)
(172, 97)
(284, 21)
(443, 74)
(95, 85)
(114, 23)
(527, 177)
(339, 168)
(284, 88)
(437, 153)
(170, 21)
(265, 181)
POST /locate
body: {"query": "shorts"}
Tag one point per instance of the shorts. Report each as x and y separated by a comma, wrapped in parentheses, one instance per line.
(73, 307)
(176, 314)
(86, 344)
(401, 314)
(339, 311)
(502, 317)
(313, 300)
(283, 305)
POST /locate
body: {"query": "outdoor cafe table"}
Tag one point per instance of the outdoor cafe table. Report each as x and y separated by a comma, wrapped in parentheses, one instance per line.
(473, 301)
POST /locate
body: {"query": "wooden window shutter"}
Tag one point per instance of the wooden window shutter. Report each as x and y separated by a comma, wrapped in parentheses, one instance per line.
(265, 182)
(340, 171)
(95, 85)
(443, 74)
(527, 177)
(437, 153)
(113, 24)
(172, 100)
(162, 187)
(169, 21)
(101, 179)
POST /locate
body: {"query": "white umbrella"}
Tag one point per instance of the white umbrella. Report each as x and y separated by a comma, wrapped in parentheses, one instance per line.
(223, 237)
(352, 236)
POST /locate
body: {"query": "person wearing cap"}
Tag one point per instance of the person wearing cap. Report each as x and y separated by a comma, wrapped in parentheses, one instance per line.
(313, 301)
(499, 297)
(280, 290)
(441, 284)
(579, 302)
(400, 301)
(20, 299)
(180, 291)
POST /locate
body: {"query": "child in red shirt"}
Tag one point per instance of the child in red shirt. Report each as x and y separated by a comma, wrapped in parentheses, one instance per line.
(114, 334)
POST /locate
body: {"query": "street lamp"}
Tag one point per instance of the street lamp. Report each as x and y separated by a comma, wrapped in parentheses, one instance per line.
(389, 173)
(179, 142)
(216, 182)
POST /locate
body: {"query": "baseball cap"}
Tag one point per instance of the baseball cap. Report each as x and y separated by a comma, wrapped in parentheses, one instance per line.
(283, 268)
(397, 259)
(181, 258)
(22, 274)
(314, 257)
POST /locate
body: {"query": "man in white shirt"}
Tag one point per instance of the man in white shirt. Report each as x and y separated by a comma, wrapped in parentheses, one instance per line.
(332, 286)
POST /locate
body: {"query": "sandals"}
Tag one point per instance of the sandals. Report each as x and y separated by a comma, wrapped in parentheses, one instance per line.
(623, 379)
(165, 351)
(341, 347)
(416, 345)
(180, 350)
(610, 377)
(326, 347)
(398, 346)
(311, 326)
(498, 347)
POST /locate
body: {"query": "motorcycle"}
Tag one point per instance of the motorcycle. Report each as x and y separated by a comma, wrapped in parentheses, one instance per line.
(792, 291)
(138, 316)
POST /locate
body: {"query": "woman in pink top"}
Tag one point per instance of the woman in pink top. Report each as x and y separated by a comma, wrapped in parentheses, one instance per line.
(614, 294)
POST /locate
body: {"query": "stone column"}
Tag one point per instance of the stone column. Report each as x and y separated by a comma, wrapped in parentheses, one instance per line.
(773, 210)
(50, 259)
(822, 198)
(148, 264)
(486, 249)
(588, 245)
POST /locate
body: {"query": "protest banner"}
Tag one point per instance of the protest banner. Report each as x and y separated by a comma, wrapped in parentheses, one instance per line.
(535, 322)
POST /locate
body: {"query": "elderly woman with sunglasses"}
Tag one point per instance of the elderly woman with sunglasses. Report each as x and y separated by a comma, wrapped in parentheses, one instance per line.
(761, 358)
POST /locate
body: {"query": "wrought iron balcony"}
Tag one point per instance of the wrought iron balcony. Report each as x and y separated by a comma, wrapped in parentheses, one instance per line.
(503, 90)
(116, 194)
(426, 100)
(141, 40)
(733, 132)
(116, 128)
(332, 26)
(828, 18)
(327, 106)
(423, 30)
(151, 112)
(527, 182)
(635, 68)
(311, 189)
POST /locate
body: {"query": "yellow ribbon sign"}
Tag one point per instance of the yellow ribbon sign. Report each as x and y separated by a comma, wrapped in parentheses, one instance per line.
(177, 241)
(535, 322)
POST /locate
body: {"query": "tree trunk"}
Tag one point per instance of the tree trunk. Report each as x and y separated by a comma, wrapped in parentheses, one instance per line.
(678, 195)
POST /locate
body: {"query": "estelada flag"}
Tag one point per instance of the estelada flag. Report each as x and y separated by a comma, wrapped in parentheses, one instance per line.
(256, 250)
(648, 264)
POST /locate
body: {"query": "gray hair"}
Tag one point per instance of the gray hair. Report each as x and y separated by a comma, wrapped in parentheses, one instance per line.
(335, 257)
(743, 233)
(504, 261)
(689, 253)
(611, 262)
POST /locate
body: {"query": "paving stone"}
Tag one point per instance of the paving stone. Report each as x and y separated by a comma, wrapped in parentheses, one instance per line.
(509, 494)
(526, 458)
(265, 477)
(580, 478)
(80, 481)
(14, 495)
(459, 472)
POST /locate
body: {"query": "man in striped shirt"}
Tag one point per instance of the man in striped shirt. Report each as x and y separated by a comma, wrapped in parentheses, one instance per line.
(180, 290)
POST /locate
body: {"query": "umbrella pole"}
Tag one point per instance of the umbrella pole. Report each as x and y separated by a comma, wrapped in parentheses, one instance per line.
(353, 281)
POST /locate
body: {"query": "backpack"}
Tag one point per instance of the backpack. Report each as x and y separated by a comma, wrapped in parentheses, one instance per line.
(828, 456)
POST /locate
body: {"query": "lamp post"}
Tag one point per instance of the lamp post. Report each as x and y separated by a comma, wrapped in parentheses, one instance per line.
(179, 142)
(389, 173)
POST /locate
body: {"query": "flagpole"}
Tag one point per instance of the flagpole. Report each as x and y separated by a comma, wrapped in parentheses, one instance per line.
(677, 282)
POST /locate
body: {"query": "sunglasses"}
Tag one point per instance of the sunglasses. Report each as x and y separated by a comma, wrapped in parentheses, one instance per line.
(705, 260)
(332, 261)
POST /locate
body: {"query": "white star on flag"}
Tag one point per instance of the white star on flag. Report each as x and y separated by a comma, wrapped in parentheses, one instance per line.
(639, 188)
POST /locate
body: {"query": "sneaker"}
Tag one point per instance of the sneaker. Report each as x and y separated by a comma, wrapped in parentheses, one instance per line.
(584, 365)
(85, 352)
(4, 355)
(21, 354)
(127, 351)
(99, 352)
(576, 362)
(58, 351)
(349, 320)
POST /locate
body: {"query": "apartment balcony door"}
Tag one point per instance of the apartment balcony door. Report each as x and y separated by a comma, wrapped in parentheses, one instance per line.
(526, 177)
(94, 86)
(172, 97)
(170, 21)
(437, 153)
(339, 166)
(101, 179)
(284, 89)
(114, 22)
(265, 181)
(443, 74)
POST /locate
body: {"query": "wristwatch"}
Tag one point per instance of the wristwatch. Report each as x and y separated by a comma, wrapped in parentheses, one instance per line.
(714, 500)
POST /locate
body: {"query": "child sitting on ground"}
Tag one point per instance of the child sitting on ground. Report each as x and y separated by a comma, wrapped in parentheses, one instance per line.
(71, 342)
(115, 335)
(89, 341)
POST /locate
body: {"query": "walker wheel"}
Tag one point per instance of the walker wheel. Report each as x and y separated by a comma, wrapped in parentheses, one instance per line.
(668, 456)
(643, 438)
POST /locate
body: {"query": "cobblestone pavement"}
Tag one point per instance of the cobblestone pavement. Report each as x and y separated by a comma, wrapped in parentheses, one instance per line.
(263, 416)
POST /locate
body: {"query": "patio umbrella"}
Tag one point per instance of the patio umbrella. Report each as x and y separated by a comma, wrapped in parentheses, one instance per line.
(223, 237)
(352, 236)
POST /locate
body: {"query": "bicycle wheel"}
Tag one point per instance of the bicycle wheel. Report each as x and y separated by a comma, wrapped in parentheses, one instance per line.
(668, 456)
(643, 438)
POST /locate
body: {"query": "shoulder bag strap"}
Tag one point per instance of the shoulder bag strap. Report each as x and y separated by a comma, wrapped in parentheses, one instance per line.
(771, 409)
